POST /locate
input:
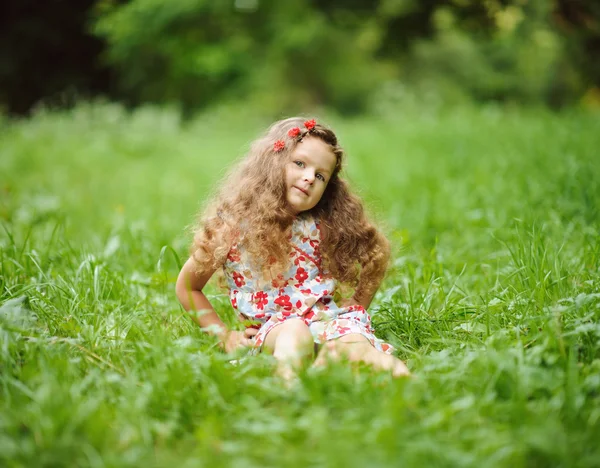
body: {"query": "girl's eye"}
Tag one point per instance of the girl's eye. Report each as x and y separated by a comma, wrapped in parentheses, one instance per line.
(320, 176)
(299, 163)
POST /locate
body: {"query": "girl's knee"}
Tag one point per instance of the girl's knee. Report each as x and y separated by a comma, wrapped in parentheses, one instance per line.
(297, 331)
(352, 346)
(353, 338)
(291, 339)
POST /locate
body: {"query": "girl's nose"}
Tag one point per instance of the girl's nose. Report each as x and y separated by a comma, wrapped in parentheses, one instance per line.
(309, 178)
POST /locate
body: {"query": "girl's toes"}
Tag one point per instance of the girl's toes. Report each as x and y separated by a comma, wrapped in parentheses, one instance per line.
(332, 349)
(329, 352)
(400, 370)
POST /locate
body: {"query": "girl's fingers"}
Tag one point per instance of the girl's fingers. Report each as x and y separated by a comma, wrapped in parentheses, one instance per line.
(245, 343)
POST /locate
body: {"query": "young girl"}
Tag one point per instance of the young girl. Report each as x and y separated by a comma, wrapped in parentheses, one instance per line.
(286, 230)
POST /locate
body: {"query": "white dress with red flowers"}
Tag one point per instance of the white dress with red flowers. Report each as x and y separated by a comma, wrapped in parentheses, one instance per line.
(304, 292)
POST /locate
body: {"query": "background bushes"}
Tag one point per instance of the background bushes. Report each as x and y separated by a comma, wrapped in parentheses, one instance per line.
(348, 55)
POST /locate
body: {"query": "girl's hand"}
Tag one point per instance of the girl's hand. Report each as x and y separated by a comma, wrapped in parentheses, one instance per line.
(232, 340)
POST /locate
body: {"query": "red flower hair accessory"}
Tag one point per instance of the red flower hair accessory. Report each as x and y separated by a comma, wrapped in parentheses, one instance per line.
(278, 146)
(294, 132)
(310, 124)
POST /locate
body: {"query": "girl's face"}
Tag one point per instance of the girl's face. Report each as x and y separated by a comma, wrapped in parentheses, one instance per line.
(307, 173)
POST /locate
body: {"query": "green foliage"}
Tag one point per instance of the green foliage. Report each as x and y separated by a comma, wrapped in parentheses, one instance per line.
(493, 297)
(194, 52)
(290, 56)
(519, 57)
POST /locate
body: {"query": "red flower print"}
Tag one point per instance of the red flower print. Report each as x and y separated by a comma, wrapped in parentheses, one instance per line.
(284, 302)
(294, 132)
(239, 279)
(322, 337)
(260, 315)
(278, 146)
(385, 347)
(306, 291)
(298, 304)
(310, 315)
(301, 275)
(261, 299)
(310, 124)
(300, 258)
(233, 255)
(234, 302)
(344, 330)
(314, 243)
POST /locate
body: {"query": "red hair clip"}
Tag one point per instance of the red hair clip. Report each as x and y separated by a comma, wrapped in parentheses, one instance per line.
(310, 124)
(294, 132)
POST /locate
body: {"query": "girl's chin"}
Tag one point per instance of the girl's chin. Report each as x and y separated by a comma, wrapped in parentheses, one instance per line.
(296, 208)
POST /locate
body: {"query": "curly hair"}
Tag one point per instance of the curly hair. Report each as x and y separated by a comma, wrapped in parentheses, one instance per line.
(251, 209)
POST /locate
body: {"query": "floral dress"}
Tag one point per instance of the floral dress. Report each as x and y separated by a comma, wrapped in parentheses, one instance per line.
(305, 291)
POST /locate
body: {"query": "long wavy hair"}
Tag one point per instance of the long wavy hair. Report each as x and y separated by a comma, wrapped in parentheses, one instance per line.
(251, 209)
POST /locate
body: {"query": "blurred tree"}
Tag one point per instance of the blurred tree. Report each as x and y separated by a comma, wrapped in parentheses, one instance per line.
(493, 51)
(339, 52)
(579, 21)
(47, 52)
(197, 51)
(298, 53)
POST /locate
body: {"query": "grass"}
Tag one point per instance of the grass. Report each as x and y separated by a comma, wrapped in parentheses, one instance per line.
(493, 297)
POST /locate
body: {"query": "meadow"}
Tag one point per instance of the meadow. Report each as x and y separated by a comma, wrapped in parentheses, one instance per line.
(492, 297)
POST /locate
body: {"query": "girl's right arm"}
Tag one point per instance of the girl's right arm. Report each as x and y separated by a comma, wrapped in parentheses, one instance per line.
(189, 292)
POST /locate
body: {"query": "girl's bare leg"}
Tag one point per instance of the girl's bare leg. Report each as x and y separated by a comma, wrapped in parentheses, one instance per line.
(357, 348)
(290, 343)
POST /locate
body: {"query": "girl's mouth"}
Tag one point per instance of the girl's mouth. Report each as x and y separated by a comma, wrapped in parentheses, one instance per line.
(303, 191)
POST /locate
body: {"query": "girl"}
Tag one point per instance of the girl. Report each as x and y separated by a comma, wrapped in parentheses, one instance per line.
(286, 230)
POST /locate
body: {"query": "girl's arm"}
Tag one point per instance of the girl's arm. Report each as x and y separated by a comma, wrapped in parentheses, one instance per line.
(189, 292)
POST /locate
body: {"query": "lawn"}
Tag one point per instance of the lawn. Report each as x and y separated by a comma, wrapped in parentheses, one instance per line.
(492, 297)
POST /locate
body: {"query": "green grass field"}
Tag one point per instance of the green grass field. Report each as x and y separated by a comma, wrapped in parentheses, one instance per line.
(493, 297)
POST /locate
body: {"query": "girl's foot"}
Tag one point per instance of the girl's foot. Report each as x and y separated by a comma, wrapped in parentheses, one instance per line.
(383, 361)
(287, 374)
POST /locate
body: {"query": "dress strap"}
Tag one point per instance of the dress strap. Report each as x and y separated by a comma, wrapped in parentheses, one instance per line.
(310, 257)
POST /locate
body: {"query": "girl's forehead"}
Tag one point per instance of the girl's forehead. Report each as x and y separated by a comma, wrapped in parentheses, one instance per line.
(317, 152)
